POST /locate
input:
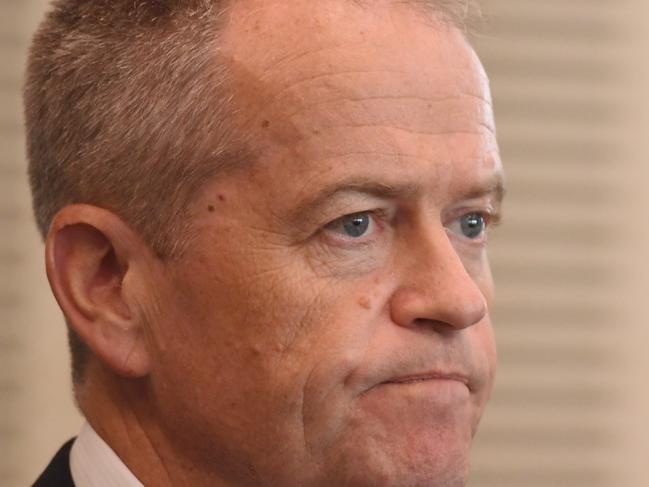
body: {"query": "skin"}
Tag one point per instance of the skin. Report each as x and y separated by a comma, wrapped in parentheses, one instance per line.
(280, 350)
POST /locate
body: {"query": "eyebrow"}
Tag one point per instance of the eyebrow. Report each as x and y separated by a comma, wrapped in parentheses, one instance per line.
(494, 185)
(356, 185)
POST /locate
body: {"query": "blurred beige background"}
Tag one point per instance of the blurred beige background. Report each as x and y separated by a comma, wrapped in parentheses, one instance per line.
(571, 406)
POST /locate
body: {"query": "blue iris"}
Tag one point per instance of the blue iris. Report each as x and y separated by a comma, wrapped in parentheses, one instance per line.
(473, 225)
(356, 225)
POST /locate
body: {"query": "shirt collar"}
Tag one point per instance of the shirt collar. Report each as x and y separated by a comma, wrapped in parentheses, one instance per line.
(94, 464)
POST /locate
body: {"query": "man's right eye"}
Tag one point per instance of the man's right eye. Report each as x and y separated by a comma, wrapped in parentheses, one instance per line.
(352, 226)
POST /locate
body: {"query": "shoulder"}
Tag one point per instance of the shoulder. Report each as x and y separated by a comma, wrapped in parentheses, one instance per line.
(57, 473)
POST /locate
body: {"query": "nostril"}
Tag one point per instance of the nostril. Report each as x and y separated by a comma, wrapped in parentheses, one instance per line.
(440, 328)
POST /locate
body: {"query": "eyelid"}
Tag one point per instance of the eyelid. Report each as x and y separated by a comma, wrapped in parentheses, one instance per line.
(378, 219)
(490, 211)
(491, 218)
(340, 221)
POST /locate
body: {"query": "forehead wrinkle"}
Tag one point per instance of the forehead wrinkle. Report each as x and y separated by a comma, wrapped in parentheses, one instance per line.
(374, 153)
(389, 97)
(368, 174)
(339, 141)
(278, 63)
(439, 133)
(494, 180)
(286, 109)
(418, 120)
(359, 99)
(341, 91)
(403, 74)
(317, 77)
(407, 113)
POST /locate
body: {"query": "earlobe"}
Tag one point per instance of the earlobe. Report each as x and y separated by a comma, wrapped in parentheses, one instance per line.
(89, 251)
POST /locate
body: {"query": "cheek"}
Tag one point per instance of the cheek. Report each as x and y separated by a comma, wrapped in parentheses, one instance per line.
(487, 342)
(484, 358)
(346, 340)
(267, 328)
(485, 330)
(347, 264)
(271, 326)
(480, 271)
(249, 346)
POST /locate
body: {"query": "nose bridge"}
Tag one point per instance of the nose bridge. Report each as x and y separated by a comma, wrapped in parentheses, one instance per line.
(435, 286)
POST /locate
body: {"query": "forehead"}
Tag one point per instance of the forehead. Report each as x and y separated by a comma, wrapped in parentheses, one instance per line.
(281, 42)
(333, 82)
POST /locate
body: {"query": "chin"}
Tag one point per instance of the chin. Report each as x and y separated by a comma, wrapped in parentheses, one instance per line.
(427, 472)
(437, 457)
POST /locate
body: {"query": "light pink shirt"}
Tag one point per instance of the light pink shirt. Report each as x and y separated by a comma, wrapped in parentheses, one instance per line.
(94, 464)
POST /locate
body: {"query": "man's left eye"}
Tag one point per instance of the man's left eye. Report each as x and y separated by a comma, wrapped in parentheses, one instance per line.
(471, 226)
(355, 225)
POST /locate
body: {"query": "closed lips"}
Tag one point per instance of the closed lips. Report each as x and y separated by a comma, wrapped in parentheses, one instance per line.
(428, 377)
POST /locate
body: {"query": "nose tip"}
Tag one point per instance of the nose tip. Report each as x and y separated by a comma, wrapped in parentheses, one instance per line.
(451, 308)
(466, 309)
(439, 290)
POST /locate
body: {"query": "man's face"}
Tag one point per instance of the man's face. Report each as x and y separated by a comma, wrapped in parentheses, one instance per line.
(328, 324)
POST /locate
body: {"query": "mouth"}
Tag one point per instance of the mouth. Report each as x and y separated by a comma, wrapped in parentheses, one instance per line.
(429, 377)
(432, 387)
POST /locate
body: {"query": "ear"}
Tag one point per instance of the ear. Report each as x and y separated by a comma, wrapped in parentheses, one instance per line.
(89, 252)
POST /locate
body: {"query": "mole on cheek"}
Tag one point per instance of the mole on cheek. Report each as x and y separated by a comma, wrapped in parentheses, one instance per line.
(210, 208)
(364, 302)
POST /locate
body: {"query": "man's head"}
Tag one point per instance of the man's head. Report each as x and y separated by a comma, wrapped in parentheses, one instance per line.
(326, 322)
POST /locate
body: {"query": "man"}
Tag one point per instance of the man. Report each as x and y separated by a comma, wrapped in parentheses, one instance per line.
(266, 226)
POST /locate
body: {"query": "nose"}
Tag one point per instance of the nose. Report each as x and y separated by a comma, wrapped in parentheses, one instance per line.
(435, 287)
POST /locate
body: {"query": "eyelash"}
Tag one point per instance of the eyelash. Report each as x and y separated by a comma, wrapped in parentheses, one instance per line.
(379, 217)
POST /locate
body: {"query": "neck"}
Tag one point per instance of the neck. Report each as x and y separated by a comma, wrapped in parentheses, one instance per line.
(120, 411)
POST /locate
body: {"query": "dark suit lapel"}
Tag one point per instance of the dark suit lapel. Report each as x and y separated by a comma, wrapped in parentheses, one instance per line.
(57, 473)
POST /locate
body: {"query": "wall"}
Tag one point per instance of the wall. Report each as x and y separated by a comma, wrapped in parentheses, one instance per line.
(36, 408)
(570, 406)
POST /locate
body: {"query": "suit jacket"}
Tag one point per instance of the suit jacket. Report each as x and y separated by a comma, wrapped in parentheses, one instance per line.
(57, 473)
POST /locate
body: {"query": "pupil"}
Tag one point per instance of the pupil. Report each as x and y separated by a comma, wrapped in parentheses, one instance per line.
(356, 225)
(472, 225)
